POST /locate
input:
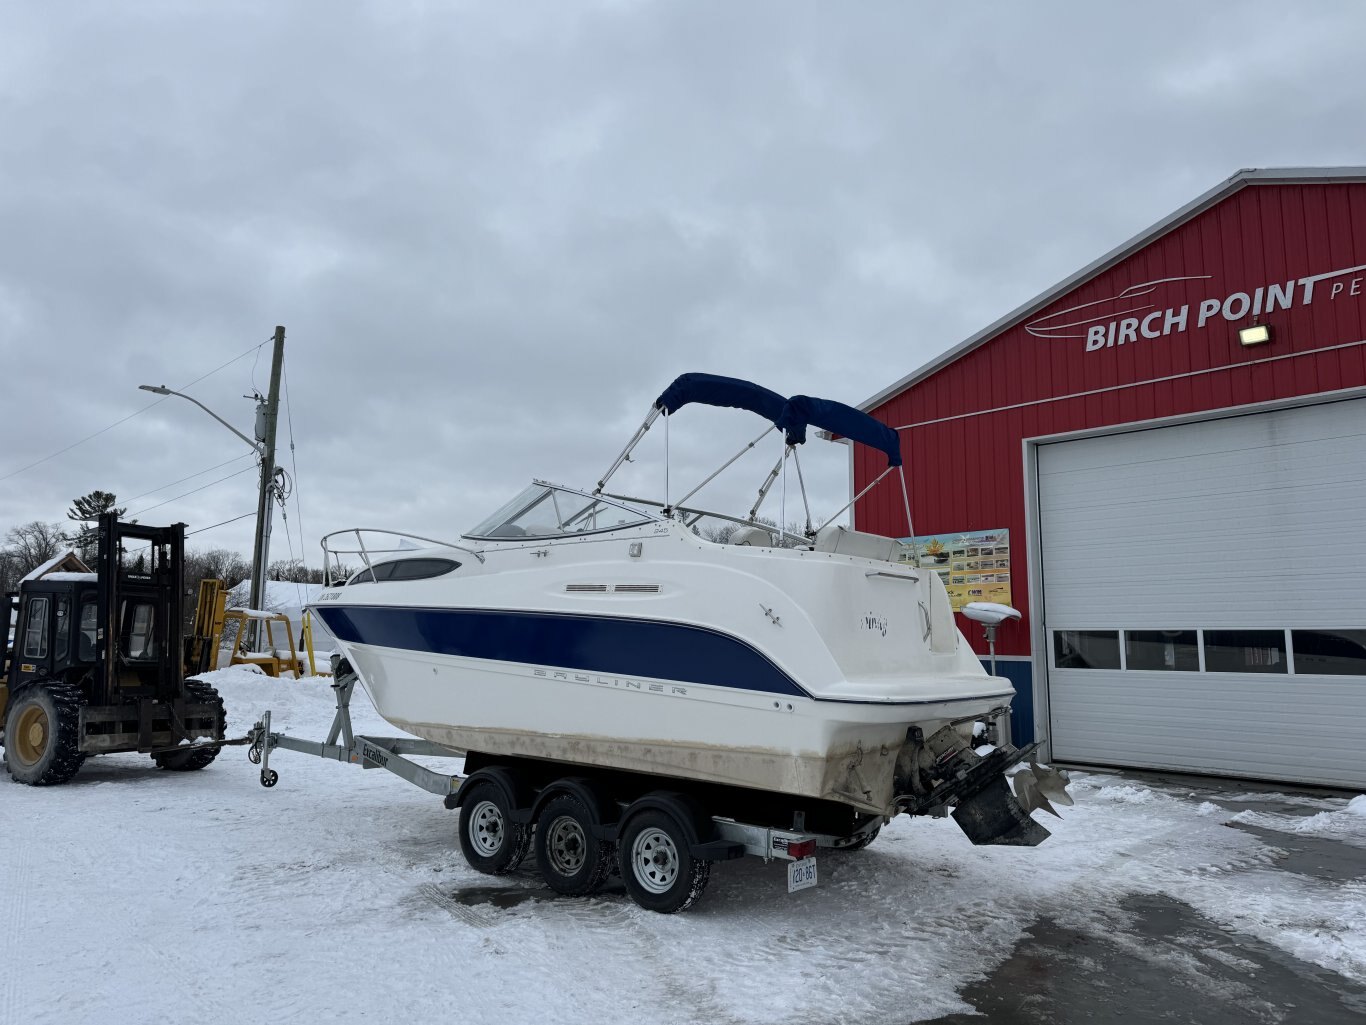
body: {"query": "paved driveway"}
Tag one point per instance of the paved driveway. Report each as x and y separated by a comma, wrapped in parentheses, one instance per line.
(1165, 963)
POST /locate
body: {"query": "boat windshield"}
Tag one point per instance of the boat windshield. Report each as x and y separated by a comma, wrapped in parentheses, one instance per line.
(545, 511)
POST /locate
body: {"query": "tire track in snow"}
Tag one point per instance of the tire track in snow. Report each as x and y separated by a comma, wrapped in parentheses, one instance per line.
(17, 886)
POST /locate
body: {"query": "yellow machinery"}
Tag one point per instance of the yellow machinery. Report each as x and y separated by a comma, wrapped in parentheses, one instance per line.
(202, 650)
(272, 659)
(313, 669)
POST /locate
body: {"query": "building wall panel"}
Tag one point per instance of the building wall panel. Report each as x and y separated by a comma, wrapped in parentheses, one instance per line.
(964, 452)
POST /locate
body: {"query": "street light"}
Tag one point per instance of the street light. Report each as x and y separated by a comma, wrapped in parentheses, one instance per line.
(161, 389)
(265, 450)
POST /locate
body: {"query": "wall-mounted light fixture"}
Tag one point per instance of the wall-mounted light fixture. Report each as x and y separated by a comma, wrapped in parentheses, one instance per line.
(1257, 334)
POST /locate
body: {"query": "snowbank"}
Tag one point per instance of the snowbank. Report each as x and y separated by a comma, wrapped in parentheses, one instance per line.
(228, 895)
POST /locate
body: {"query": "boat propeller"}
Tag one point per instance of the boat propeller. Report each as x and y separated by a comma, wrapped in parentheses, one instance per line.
(991, 814)
(1035, 785)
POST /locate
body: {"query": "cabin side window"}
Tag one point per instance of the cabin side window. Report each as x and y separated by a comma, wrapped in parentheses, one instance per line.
(405, 569)
(85, 648)
(35, 633)
(63, 631)
(139, 629)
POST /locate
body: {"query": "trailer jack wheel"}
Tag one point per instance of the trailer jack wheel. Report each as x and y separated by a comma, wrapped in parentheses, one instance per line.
(269, 777)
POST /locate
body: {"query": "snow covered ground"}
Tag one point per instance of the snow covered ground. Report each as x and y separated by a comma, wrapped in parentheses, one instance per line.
(134, 895)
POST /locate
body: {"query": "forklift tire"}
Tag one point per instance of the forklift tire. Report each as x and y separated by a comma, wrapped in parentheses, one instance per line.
(42, 733)
(198, 693)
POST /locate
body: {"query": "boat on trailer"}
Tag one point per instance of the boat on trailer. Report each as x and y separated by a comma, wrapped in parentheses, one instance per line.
(805, 679)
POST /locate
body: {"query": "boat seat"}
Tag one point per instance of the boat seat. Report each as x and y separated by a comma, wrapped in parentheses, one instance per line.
(756, 537)
(834, 537)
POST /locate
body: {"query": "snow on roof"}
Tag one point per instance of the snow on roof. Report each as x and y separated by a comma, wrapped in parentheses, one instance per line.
(67, 558)
(89, 578)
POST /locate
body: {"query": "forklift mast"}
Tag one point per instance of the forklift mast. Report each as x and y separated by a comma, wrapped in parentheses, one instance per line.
(140, 639)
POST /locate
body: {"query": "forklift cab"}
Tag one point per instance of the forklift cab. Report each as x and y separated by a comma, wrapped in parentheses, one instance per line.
(96, 662)
(54, 624)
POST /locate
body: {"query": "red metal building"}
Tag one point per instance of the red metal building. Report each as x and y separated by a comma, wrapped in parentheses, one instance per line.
(1185, 506)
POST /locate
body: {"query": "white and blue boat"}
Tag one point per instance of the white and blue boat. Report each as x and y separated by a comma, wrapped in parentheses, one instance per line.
(585, 628)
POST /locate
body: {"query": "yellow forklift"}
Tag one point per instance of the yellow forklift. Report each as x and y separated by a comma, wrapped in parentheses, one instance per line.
(98, 662)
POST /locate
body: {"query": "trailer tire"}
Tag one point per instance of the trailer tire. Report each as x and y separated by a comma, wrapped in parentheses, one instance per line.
(198, 693)
(572, 860)
(43, 733)
(492, 842)
(657, 866)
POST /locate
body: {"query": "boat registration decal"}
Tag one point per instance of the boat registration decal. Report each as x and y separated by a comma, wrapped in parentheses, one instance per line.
(874, 623)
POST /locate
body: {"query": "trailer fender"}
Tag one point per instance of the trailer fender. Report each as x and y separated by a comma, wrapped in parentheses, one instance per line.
(517, 794)
(697, 826)
(604, 811)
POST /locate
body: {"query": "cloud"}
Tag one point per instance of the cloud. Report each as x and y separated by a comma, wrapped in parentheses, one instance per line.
(494, 234)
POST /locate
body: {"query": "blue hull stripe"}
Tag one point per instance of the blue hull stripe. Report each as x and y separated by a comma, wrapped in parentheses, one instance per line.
(590, 644)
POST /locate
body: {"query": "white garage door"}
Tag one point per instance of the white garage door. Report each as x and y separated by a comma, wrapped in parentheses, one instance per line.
(1205, 595)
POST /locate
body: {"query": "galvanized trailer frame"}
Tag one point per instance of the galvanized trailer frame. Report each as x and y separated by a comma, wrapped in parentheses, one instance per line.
(367, 752)
(393, 754)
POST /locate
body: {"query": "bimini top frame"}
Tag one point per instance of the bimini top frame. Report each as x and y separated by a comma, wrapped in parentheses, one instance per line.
(792, 416)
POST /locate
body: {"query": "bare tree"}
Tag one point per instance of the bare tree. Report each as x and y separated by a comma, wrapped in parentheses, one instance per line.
(32, 544)
(9, 571)
(212, 564)
(294, 571)
(215, 563)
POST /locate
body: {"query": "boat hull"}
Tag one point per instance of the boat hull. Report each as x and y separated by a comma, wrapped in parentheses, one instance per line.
(844, 751)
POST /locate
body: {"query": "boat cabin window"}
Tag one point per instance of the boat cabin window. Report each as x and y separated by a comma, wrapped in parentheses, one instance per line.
(544, 511)
(406, 569)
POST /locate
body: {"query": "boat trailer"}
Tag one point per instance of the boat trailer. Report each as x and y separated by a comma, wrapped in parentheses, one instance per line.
(729, 839)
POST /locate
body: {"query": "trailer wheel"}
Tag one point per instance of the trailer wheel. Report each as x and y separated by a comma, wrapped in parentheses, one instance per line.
(657, 867)
(197, 693)
(489, 838)
(42, 734)
(572, 860)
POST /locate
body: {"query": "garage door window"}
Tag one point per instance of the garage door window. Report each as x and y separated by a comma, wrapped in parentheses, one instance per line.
(1086, 649)
(1330, 652)
(1170, 650)
(1245, 651)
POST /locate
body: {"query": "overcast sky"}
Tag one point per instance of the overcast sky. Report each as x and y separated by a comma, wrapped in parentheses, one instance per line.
(494, 232)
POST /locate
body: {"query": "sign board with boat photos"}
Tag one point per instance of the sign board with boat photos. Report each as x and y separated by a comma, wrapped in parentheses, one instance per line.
(974, 565)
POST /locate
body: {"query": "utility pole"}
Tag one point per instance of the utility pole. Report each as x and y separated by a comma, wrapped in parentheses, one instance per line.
(268, 414)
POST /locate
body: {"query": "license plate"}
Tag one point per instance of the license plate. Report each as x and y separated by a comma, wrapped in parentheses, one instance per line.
(801, 874)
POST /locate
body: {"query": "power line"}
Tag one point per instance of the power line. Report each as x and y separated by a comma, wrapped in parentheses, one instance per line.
(294, 463)
(201, 530)
(187, 494)
(122, 420)
(192, 476)
(192, 533)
